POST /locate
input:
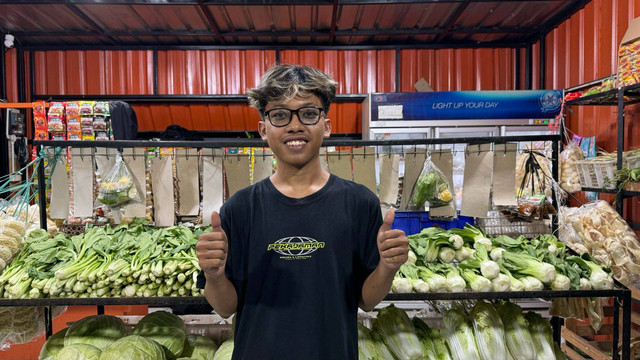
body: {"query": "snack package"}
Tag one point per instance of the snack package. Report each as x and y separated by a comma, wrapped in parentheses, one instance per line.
(72, 108)
(56, 124)
(40, 122)
(99, 123)
(58, 135)
(88, 137)
(86, 121)
(102, 136)
(41, 135)
(101, 108)
(87, 131)
(38, 108)
(431, 186)
(569, 176)
(56, 108)
(74, 135)
(118, 187)
(596, 228)
(86, 108)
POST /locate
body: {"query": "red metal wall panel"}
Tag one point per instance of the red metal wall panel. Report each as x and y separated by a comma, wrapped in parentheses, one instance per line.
(11, 58)
(458, 69)
(94, 72)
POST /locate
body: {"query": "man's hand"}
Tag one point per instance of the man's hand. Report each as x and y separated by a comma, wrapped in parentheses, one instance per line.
(393, 245)
(212, 249)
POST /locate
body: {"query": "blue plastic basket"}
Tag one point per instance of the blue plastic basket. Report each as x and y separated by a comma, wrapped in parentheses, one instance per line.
(412, 222)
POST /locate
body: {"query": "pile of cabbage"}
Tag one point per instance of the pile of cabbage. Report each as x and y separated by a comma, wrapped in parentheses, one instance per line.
(488, 332)
(457, 260)
(158, 336)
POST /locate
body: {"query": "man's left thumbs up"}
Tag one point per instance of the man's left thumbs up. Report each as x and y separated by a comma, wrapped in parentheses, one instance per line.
(393, 245)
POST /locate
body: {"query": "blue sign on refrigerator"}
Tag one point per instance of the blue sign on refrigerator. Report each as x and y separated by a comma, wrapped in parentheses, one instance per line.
(455, 105)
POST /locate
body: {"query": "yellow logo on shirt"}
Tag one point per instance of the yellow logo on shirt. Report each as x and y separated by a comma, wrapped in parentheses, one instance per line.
(296, 247)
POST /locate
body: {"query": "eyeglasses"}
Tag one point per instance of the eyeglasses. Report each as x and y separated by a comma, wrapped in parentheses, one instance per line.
(308, 115)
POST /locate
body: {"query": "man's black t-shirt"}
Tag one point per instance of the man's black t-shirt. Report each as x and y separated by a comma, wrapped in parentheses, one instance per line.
(298, 266)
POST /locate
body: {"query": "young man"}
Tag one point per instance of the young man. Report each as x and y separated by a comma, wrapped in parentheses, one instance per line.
(296, 254)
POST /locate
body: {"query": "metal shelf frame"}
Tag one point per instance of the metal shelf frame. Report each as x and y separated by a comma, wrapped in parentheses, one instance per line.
(620, 293)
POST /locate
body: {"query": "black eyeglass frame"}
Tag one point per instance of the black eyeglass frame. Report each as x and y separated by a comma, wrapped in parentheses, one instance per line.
(296, 111)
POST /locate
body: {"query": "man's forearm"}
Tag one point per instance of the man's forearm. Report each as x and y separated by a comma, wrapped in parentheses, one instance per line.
(221, 295)
(376, 287)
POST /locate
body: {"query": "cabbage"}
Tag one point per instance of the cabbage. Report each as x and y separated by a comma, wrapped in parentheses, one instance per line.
(396, 330)
(542, 336)
(489, 332)
(166, 329)
(78, 352)
(459, 336)
(367, 349)
(199, 347)
(516, 331)
(433, 346)
(53, 345)
(224, 351)
(97, 330)
(133, 347)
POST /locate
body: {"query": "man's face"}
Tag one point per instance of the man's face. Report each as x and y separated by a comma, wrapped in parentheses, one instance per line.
(295, 144)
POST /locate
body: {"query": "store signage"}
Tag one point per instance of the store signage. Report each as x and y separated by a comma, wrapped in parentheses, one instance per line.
(453, 105)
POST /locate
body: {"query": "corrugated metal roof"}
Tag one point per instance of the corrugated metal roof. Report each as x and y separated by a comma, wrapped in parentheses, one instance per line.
(283, 23)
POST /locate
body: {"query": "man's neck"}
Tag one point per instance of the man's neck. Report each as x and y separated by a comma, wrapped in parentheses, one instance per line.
(299, 182)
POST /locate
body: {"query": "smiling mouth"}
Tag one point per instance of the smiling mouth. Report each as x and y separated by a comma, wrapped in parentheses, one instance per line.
(296, 144)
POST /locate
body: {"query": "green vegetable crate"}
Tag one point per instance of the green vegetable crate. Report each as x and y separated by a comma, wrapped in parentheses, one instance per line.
(411, 222)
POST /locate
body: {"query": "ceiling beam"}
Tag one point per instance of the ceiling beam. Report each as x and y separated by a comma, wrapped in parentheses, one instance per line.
(334, 22)
(92, 24)
(253, 2)
(559, 18)
(453, 19)
(213, 25)
(369, 32)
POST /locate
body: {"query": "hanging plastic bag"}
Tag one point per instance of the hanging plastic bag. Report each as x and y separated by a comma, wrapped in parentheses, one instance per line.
(432, 187)
(569, 176)
(118, 187)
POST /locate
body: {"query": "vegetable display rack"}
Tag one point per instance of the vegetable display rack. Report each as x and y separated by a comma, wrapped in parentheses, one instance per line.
(621, 294)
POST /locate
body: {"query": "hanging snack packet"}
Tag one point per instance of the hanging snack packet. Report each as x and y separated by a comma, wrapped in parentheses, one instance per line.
(101, 108)
(102, 136)
(56, 124)
(432, 187)
(569, 175)
(99, 123)
(118, 187)
(86, 108)
(72, 108)
(56, 108)
(74, 135)
(38, 108)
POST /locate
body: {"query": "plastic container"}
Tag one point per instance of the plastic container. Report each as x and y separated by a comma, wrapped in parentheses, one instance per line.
(412, 222)
(597, 174)
(497, 224)
(633, 162)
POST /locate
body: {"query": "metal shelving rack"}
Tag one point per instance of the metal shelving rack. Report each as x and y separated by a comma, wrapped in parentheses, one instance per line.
(620, 293)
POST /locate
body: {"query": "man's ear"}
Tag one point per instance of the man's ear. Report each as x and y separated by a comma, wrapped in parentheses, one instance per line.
(327, 128)
(262, 130)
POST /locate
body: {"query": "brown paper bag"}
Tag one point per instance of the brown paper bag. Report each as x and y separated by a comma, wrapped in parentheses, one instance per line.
(212, 183)
(340, 164)
(135, 159)
(162, 185)
(263, 165)
(188, 174)
(59, 207)
(443, 159)
(478, 168)
(237, 171)
(364, 167)
(413, 162)
(389, 178)
(82, 166)
(504, 177)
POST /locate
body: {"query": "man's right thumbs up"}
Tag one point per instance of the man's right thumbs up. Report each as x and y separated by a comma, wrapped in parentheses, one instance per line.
(212, 249)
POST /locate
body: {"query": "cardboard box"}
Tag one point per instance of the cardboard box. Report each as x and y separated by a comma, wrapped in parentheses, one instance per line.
(629, 55)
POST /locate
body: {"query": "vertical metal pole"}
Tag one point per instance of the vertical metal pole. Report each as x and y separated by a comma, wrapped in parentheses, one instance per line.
(32, 75)
(48, 320)
(619, 199)
(542, 65)
(155, 72)
(626, 326)
(277, 56)
(42, 196)
(555, 163)
(616, 328)
(556, 324)
(518, 65)
(100, 310)
(398, 74)
(21, 80)
(528, 67)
